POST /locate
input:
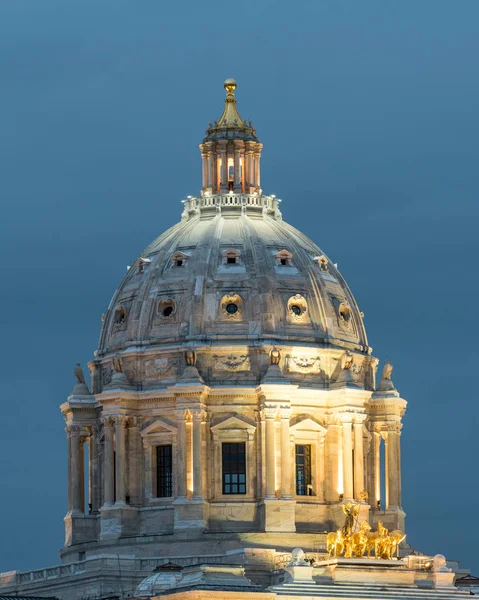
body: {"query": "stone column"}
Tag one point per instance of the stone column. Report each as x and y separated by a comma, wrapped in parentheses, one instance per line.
(237, 181)
(211, 171)
(320, 470)
(76, 459)
(83, 439)
(393, 459)
(181, 456)
(347, 462)
(249, 174)
(69, 465)
(251, 464)
(257, 170)
(135, 460)
(224, 167)
(358, 461)
(197, 415)
(285, 413)
(108, 468)
(204, 167)
(120, 460)
(93, 470)
(332, 463)
(377, 467)
(270, 414)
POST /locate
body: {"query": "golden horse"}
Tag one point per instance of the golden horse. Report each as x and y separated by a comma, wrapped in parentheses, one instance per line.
(395, 538)
(358, 542)
(335, 543)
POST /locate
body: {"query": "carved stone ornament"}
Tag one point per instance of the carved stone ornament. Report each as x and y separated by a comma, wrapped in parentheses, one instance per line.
(120, 318)
(303, 364)
(166, 310)
(159, 367)
(232, 307)
(345, 317)
(232, 363)
(106, 374)
(297, 309)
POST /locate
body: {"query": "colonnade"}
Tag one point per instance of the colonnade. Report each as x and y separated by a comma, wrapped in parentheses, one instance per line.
(347, 458)
(218, 157)
(111, 468)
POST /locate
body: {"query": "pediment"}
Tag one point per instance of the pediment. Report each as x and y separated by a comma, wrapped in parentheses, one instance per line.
(308, 424)
(158, 426)
(283, 254)
(233, 422)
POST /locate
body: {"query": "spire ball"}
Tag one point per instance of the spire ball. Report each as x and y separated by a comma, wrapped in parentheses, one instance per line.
(230, 85)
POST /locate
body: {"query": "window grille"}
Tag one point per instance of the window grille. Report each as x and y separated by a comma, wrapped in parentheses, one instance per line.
(234, 468)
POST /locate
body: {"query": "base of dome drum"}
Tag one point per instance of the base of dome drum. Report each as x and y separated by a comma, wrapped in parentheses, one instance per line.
(189, 514)
(118, 521)
(278, 515)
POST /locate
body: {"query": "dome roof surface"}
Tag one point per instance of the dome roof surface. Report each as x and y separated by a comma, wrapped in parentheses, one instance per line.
(282, 284)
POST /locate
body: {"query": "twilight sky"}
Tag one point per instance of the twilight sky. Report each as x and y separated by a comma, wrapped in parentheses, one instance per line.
(368, 111)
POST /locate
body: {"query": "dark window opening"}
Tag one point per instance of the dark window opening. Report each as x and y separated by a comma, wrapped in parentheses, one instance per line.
(231, 260)
(234, 468)
(231, 308)
(296, 310)
(303, 470)
(167, 311)
(164, 471)
(179, 262)
(283, 261)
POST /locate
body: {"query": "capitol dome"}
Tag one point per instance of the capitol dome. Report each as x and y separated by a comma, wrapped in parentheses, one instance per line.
(233, 391)
(232, 271)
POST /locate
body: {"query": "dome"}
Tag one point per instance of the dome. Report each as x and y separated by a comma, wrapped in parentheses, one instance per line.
(232, 271)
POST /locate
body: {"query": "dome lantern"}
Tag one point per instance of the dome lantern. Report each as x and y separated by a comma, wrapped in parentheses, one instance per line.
(231, 152)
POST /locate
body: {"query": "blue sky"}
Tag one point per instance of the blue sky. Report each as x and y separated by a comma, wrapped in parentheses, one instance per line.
(368, 115)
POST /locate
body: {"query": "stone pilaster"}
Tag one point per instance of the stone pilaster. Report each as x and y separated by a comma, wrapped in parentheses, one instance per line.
(347, 461)
(359, 486)
(135, 456)
(285, 414)
(121, 423)
(270, 412)
(108, 465)
(93, 469)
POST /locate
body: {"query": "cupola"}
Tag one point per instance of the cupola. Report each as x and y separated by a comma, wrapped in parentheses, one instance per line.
(231, 152)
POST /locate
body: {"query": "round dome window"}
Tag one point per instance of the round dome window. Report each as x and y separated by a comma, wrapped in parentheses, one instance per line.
(296, 310)
(231, 308)
(167, 311)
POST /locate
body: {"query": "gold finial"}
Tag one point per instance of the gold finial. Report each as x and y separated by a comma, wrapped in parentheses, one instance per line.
(230, 86)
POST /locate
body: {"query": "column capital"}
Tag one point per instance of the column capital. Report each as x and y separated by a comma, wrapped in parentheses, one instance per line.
(180, 414)
(134, 422)
(73, 430)
(198, 414)
(285, 412)
(121, 420)
(392, 427)
(270, 411)
(107, 422)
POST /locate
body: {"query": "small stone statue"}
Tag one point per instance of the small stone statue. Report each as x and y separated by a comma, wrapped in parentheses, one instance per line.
(388, 369)
(275, 356)
(348, 361)
(78, 372)
(116, 362)
(190, 358)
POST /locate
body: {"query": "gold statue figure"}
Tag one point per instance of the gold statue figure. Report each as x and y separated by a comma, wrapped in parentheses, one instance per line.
(356, 540)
